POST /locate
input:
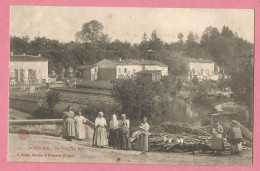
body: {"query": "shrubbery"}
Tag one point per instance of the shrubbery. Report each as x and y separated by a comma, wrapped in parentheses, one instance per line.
(140, 97)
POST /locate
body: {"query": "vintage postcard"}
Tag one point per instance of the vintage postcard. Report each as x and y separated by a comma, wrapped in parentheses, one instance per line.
(131, 85)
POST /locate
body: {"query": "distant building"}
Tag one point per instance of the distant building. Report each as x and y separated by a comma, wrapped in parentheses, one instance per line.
(203, 69)
(88, 72)
(28, 69)
(150, 75)
(113, 69)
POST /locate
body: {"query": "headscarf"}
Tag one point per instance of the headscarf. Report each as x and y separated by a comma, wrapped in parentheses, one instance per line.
(115, 121)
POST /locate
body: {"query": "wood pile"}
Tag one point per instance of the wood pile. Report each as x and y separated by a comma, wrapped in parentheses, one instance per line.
(179, 137)
(179, 142)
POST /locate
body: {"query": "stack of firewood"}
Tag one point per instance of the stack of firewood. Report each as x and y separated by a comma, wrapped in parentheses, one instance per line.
(179, 137)
(178, 142)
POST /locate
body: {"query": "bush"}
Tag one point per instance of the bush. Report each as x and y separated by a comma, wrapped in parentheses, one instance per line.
(42, 113)
(53, 98)
(139, 97)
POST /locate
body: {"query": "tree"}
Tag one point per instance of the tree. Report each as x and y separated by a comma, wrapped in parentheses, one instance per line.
(178, 66)
(144, 46)
(19, 45)
(52, 99)
(241, 82)
(192, 38)
(195, 80)
(180, 37)
(91, 32)
(155, 43)
(179, 84)
(139, 97)
(226, 32)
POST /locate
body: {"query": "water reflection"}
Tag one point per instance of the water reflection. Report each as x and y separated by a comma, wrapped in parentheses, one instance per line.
(180, 111)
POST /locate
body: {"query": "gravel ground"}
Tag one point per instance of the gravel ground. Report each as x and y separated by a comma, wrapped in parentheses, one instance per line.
(32, 149)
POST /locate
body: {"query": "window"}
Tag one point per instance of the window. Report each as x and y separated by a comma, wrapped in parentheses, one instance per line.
(12, 74)
(95, 70)
(125, 70)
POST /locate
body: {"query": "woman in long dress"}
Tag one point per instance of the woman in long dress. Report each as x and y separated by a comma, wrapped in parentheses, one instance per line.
(100, 134)
(124, 135)
(68, 127)
(113, 140)
(79, 125)
(142, 137)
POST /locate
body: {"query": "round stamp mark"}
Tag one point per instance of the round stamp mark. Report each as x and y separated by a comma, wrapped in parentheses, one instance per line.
(23, 134)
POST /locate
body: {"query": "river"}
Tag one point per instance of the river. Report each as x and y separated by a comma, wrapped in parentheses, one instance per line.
(181, 111)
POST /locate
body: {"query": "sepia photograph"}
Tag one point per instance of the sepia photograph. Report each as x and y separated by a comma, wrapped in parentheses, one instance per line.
(131, 85)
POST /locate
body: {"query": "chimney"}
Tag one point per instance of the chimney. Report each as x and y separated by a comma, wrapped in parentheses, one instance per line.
(120, 59)
(39, 54)
(12, 53)
(24, 54)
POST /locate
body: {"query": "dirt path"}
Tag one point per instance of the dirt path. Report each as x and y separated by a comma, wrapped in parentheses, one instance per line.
(58, 150)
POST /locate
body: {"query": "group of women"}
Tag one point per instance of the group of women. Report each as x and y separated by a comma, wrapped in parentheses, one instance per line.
(73, 126)
(119, 134)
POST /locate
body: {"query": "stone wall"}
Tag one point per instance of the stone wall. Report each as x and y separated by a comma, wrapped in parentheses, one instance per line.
(45, 127)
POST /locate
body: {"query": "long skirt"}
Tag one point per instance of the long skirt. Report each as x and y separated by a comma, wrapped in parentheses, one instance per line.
(80, 131)
(113, 140)
(142, 142)
(64, 129)
(100, 137)
(124, 140)
(70, 127)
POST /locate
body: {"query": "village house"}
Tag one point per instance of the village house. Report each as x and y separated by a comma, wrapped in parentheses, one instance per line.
(28, 69)
(202, 69)
(150, 75)
(108, 69)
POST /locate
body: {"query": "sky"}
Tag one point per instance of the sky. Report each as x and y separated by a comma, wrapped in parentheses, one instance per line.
(127, 24)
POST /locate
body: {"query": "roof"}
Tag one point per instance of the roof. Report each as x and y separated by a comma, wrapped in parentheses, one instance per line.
(147, 72)
(195, 60)
(106, 63)
(28, 58)
(86, 67)
(112, 63)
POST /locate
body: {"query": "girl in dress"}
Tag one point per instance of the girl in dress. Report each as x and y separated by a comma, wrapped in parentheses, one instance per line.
(124, 137)
(68, 127)
(113, 140)
(79, 124)
(100, 134)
